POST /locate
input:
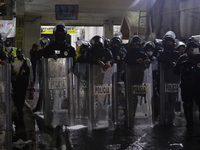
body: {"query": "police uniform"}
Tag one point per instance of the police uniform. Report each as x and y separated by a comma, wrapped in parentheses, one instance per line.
(189, 68)
(168, 60)
(104, 55)
(61, 50)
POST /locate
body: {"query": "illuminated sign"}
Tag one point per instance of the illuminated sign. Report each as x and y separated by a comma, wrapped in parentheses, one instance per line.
(66, 12)
(49, 30)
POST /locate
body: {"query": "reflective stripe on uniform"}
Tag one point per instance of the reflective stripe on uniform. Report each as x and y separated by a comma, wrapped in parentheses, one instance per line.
(14, 51)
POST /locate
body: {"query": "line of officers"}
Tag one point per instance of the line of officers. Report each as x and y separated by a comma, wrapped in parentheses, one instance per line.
(183, 58)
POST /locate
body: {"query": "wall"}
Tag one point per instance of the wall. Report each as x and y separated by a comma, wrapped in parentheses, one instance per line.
(31, 35)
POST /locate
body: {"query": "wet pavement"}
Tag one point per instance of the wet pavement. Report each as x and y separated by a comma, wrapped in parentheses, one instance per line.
(141, 137)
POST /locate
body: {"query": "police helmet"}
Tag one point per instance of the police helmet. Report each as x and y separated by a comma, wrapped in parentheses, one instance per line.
(158, 42)
(193, 41)
(60, 27)
(97, 41)
(168, 38)
(134, 40)
(44, 41)
(85, 44)
(149, 45)
(179, 44)
(107, 43)
(116, 40)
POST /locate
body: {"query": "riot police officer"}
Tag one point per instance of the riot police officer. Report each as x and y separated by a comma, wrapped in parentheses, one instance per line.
(188, 66)
(136, 63)
(180, 47)
(119, 54)
(149, 48)
(134, 54)
(98, 54)
(44, 41)
(167, 58)
(81, 51)
(60, 48)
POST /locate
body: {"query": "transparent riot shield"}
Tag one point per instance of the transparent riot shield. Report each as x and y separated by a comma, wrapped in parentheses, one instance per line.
(38, 93)
(81, 97)
(38, 77)
(5, 107)
(169, 94)
(139, 92)
(102, 97)
(58, 91)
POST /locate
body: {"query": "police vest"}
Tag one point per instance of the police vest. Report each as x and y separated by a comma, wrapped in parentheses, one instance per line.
(13, 51)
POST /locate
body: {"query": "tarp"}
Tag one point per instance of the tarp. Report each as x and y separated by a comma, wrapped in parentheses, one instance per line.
(7, 28)
(132, 25)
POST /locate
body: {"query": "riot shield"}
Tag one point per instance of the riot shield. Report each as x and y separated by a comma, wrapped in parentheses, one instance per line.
(38, 93)
(5, 107)
(169, 94)
(102, 100)
(58, 91)
(138, 93)
(81, 97)
(38, 79)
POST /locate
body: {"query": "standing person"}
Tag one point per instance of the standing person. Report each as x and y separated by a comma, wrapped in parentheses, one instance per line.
(55, 49)
(134, 54)
(59, 48)
(33, 54)
(188, 66)
(180, 47)
(98, 54)
(81, 51)
(9, 50)
(119, 54)
(149, 48)
(22, 68)
(44, 41)
(139, 61)
(168, 58)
